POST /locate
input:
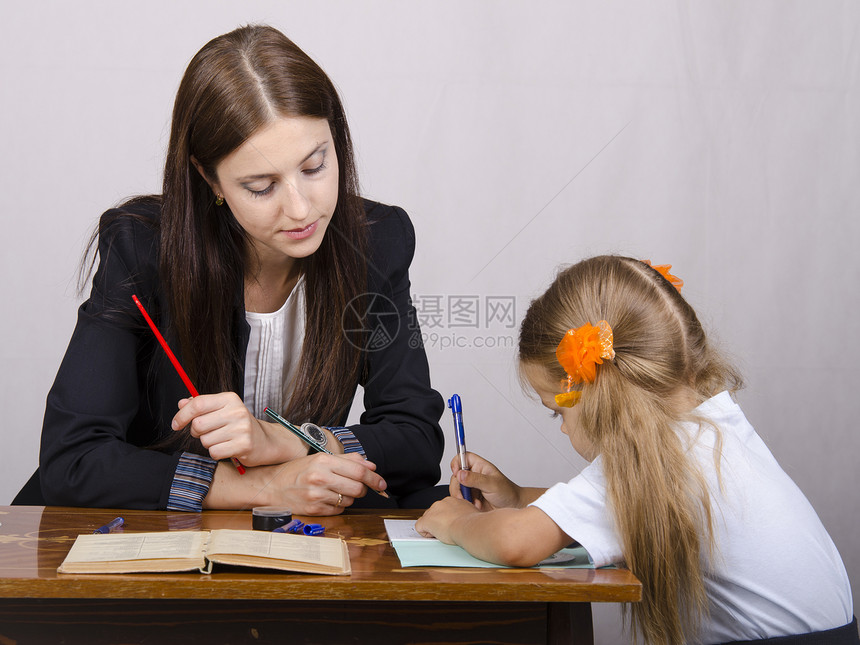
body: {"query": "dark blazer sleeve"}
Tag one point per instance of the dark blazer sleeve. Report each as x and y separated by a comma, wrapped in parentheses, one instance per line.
(399, 429)
(98, 418)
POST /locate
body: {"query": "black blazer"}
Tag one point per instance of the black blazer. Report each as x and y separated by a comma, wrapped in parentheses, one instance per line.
(116, 392)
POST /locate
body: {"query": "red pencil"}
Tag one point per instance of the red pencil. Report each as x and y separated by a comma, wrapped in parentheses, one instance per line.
(176, 365)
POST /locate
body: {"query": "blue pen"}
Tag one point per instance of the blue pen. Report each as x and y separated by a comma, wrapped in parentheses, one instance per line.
(111, 526)
(457, 410)
(293, 526)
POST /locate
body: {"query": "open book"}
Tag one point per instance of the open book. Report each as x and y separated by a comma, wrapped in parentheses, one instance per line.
(172, 551)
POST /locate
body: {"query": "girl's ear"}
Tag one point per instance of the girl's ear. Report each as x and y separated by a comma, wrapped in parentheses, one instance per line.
(216, 188)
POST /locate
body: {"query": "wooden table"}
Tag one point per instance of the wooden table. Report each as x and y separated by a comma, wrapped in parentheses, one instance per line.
(379, 603)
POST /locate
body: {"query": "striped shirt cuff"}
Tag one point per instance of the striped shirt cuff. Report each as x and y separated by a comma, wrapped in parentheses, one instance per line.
(349, 441)
(191, 482)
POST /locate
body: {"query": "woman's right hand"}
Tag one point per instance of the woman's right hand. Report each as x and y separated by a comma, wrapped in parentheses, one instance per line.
(226, 428)
(493, 489)
(318, 484)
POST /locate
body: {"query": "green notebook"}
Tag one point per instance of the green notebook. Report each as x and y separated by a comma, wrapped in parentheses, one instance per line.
(415, 550)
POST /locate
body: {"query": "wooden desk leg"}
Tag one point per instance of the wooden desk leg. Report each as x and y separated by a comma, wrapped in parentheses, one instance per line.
(569, 623)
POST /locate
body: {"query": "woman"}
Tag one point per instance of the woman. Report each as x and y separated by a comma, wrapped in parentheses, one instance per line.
(275, 284)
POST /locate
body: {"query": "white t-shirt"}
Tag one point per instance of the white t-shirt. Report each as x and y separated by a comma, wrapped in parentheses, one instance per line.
(776, 571)
(274, 349)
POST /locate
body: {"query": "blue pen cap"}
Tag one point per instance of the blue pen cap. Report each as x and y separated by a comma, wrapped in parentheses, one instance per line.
(457, 409)
(313, 529)
(455, 404)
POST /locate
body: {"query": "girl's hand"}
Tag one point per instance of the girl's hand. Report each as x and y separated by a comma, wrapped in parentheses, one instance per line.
(518, 537)
(319, 484)
(226, 428)
(490, 488)
(439, 518)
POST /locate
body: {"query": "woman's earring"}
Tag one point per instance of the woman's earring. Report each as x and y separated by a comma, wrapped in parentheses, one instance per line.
(219, 200)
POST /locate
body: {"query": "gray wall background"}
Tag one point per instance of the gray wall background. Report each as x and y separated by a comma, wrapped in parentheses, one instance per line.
(720, 137)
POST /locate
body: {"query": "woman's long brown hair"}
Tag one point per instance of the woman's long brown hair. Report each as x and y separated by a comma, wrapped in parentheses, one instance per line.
(233, 86)
(663, 367)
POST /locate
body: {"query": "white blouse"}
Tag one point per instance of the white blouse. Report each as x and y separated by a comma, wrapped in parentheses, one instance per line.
(274, 349)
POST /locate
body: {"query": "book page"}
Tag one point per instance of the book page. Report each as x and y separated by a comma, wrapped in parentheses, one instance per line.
(403, 530)
(137, 546)
(278, 546)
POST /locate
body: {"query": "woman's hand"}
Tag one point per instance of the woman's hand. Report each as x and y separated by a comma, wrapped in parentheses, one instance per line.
(226, 428)
(318, 484)
(493, 489)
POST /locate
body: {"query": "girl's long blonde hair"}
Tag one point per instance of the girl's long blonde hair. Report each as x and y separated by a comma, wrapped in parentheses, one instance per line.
(663, 367)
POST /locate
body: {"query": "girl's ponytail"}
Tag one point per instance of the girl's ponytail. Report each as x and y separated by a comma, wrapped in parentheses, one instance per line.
(659, 502)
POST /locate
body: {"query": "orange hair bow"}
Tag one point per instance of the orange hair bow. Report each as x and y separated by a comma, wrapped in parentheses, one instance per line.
(580, 351)
(568, 399)
(663, 269)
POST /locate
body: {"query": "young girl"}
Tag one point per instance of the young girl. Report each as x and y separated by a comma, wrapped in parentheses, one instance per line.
(680, 487)
(275, 284)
